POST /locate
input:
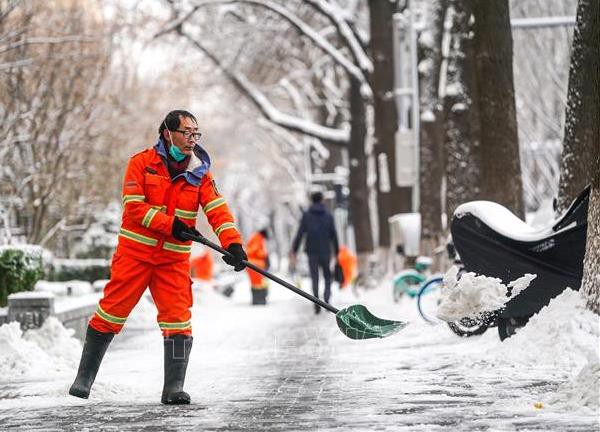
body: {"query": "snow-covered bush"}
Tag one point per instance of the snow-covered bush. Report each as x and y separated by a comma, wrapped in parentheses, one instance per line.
(21, 266)
(79, 269)
(100, 239)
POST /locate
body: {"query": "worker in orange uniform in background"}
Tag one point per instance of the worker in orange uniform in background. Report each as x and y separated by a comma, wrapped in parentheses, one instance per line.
(163, 189)
(348, 263)
(256, 248)
(202, 266)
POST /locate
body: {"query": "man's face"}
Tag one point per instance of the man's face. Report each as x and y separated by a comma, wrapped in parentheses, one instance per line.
(188, 127)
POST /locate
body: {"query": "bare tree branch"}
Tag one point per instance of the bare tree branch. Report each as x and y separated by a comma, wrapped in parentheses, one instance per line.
(337, 16)
(294, 20)
(337, 136)
(47, 40)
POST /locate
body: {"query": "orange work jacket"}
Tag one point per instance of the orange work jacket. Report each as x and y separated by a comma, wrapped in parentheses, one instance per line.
(151, 200)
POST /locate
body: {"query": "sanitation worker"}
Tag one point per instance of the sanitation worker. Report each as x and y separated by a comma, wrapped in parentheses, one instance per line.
(259, 256)
(321, 241)
(347, 261)
(163, 189)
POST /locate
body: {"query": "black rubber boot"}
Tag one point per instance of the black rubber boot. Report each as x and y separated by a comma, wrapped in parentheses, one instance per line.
(94, 348)
(177, 355)
(259, 296)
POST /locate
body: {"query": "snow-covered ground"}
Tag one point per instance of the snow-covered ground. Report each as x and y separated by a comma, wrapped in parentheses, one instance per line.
(280, 367)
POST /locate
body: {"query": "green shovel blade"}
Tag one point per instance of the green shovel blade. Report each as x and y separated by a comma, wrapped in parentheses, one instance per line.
(357, 322)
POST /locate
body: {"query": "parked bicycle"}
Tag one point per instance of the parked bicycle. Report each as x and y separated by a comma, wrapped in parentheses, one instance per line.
(408, 282)
(419, 283)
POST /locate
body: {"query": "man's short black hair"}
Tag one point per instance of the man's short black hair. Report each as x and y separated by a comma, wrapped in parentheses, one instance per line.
(173, 120)
(316, 197)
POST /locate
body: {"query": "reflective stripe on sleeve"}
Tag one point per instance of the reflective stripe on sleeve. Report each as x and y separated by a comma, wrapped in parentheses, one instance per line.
(213, 204)
(186, 214)
(131, 198)
(225, 226)
(149, 216)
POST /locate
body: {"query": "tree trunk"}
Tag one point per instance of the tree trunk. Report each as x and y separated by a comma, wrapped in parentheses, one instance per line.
(591, 266)
(359, 191)
(463, 173)
(581, 152)
(390, 200)
(432, 130)
(501, 168)
(582, 115)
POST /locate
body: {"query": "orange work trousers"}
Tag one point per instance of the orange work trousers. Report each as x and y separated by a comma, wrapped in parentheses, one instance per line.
(170, 286)
(257, 280)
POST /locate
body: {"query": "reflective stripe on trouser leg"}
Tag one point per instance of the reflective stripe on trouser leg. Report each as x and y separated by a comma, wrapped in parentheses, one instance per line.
(129, 279)
(171, 289)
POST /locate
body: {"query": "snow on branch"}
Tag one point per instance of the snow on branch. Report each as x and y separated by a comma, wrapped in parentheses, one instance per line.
(338, 17)
(278, 133)
(293, 19)
(298, 102)
(307, 127)
(47, 40)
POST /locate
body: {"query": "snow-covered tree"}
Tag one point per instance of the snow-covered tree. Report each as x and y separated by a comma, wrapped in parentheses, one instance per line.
(54, 57)
(462, 141)
(482, 154)
(581, 154)
(582, 115)
(591, 269)
(391, 199)
(432, 123)
(501, 169)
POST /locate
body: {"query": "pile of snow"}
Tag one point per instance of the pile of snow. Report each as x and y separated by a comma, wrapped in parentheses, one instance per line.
(62, 264)
(471, 295)
(37, 353)
(98, 285)
(565, 326)
(70, 303)
(74, 287)
(583, 391)
(565, 335)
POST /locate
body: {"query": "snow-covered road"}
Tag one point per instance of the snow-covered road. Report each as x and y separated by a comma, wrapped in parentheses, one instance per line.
(281, 367)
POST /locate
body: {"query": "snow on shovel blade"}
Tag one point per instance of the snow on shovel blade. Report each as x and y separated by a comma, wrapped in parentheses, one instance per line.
(357, 322)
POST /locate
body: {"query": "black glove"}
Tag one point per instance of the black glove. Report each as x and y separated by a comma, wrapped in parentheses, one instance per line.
(267, 263)
(180, 227)
(239, 255)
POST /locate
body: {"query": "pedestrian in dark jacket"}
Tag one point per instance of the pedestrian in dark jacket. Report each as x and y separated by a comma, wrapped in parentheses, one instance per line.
(321, 243)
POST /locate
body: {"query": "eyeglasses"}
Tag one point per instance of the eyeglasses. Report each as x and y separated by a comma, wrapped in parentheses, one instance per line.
(187, 134)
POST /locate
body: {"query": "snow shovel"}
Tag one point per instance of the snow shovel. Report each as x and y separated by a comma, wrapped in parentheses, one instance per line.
(355, 321)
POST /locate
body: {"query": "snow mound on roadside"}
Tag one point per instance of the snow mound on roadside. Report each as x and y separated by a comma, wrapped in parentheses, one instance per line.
(72, 287)
(564, 333)
(472, 295)
(41, 352)
(583, 391)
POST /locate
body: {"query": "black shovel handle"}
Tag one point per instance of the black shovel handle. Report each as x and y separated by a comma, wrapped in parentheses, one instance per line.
(206, 242)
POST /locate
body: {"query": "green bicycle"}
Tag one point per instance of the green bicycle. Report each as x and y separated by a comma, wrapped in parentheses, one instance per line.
(409, 281)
